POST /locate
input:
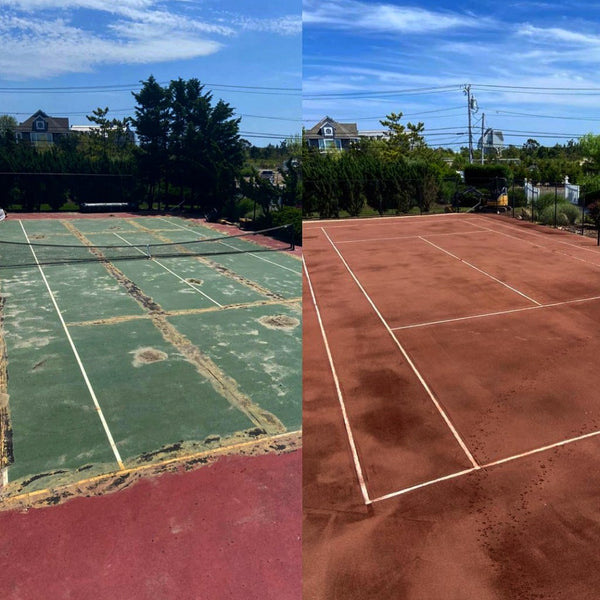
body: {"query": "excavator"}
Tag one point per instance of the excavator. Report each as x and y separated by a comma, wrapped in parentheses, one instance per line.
(492, 197)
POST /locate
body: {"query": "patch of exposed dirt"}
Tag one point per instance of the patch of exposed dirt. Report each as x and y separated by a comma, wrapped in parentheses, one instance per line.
(6, 434)
(146, 356)
(279, 322)
(194, 281)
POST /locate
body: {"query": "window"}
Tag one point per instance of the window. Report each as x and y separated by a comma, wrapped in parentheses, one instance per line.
(40, 125)
(330, 144)
(41, 137)
(328, 130)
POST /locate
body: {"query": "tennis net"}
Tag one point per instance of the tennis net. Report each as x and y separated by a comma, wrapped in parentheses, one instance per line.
(26, 254)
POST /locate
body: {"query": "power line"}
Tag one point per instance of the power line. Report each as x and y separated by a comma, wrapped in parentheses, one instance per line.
(251, 89)
(536, 88)
(381, 93)
(404, 115)
(537, 116)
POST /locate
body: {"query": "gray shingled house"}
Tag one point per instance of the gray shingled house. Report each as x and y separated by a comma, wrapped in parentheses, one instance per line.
(42, 129)
(328, 134)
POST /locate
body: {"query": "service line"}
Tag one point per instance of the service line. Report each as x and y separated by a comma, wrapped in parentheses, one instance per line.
(495, 314)
(410, 237)
(76, 354)
(420, 377)
(351, 222)
(350, 435)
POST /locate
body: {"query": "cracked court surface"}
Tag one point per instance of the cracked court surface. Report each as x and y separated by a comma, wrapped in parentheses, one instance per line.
(109, 367)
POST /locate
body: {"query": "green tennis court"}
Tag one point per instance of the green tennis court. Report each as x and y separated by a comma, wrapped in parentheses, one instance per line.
(114, 358)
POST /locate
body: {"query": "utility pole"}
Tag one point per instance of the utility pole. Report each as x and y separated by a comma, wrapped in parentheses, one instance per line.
(471, 107)
(482, 134)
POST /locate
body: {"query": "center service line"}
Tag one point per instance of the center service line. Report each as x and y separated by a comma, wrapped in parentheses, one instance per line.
(481, 271)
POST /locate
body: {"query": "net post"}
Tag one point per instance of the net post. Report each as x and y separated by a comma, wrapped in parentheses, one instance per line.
(148, 255)
(292, 244)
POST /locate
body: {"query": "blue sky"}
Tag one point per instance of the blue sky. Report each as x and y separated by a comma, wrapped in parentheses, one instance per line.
(110, 46)
(533, 67)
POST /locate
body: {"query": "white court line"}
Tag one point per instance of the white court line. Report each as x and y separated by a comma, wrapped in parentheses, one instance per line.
(364, 221)
(230, 246)
(482, 271)
(409, 237)
(539, 235)
(497, 313)
(357, 465)
(171, 272)
(77, 357)
(494, 463)
(407, 358)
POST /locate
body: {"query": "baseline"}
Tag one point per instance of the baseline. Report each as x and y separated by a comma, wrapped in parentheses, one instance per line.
(489, 465)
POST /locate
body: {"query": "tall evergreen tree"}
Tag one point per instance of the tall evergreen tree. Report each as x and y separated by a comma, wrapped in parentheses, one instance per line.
(152, 127)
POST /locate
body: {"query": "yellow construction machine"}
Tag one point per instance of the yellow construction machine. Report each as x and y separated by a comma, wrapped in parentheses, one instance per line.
(492, 197)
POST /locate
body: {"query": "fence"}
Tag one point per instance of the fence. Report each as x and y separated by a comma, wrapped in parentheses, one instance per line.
(558, 205)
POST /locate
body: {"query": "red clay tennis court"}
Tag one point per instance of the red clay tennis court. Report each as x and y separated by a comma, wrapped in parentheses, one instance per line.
(451, 409)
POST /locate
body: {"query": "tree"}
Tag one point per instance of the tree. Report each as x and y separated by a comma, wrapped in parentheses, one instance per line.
(531, 146)
(402, 140)
(291, 173)
(152, 127)
(110, 139)
(260, 190)
(590, 147)
(8, 126)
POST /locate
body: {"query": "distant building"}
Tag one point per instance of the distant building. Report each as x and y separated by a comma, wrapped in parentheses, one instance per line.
(42, 130)
(128, 135)
(328, 134)
(492, 142)
(374, 134)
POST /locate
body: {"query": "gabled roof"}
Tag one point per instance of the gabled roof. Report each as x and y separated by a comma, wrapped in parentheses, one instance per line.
(55, 124)
(342, 130)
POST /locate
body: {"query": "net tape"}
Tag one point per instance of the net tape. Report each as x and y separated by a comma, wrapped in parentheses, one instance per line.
(25, 254)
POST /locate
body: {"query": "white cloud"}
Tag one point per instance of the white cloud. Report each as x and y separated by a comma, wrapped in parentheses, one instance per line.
(49, 48)
(380, 17)
(42, 38)
(556, 35)
(289, 25)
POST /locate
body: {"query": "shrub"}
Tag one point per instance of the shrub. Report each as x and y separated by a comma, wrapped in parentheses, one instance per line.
(543, 202)
(566, 214)
(289, 214)
(517, 197)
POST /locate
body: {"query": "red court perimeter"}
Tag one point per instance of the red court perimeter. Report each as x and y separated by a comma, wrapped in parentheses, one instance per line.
(451, 410)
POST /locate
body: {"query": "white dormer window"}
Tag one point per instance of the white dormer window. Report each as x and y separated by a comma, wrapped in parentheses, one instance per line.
(40, 125)
(328, 131)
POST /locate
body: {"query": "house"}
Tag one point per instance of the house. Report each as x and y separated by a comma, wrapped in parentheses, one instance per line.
(127, 136)
(42, 130)
(328, 134)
